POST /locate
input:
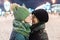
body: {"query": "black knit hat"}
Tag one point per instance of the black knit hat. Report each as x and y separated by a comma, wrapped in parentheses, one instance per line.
(41, 15)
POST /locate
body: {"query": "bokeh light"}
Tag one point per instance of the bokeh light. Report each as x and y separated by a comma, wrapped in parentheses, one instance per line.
(53, 1)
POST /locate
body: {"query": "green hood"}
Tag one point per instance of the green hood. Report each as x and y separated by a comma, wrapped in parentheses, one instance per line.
(20, 13)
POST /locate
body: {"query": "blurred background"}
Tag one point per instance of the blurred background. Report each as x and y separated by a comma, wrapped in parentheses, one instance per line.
(51, 6)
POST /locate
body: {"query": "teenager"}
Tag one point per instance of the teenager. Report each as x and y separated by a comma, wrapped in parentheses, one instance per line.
(39, 18)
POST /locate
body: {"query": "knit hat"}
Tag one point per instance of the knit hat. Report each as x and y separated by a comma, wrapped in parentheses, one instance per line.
(41, 15)
(20, 13)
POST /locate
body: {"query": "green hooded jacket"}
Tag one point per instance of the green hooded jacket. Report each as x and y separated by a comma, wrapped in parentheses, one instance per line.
(23, 28)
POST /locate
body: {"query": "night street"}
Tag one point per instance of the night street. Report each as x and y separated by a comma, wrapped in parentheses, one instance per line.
(52, 27)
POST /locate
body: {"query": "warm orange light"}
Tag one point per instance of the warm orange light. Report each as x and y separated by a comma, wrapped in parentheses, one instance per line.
(6, 0)
(53, 1)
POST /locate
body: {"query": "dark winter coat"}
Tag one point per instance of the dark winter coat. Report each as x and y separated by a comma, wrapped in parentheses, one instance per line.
(38, 32)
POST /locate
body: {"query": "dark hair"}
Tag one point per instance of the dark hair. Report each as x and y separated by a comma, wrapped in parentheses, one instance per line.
(41, 15)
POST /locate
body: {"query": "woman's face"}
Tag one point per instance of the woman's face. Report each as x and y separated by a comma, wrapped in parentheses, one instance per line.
(34, 19)
(29, 19)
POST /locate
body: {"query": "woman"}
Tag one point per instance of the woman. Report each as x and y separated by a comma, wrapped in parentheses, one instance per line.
(21, 25)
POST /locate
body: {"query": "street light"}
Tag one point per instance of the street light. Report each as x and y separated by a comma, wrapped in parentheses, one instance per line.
(53, 1)
(7, 5)
(54, 9)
